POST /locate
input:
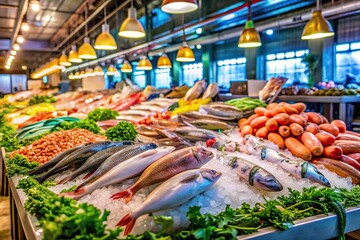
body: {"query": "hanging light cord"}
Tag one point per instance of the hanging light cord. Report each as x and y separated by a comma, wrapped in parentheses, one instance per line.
(249, 10)
(183, 28)
(132, 4)
(86, 27)
(105, 15)
(318, 4)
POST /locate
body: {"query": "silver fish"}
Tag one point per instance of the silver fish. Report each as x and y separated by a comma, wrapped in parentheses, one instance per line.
(296, 167)
(255, 175)
(195, 91)
(199, 115)
(174, 192)
(206, 124)
(193, 134)
(132, 118)
(95, 161)
(221, 110)
(211, 91)
(117, 158)
(125, 170)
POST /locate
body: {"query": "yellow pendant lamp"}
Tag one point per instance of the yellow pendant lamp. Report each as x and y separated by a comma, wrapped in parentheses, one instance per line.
(73, 55)
(105, 40)
(318, 26)
(164, 61)
(185, 54)
(82, 74)
(249, 37)
(179, 6)
(98, 71)
(126, 67)
(144, 64)
(71, 76)
(111, 71)
(89, 72)
(63, 60)
(86, 51)
(77, 75)
(131, 27)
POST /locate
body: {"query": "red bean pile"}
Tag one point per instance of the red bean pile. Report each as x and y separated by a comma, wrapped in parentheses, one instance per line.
(49, 146)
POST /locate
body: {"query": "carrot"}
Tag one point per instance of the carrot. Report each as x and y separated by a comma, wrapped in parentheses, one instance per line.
(271, 124)
(327, 127)
(258, 122)
(333, 152)
(295, 118)
(282, 118)
(298, 149)
(247, 129)
(271, 106)
(262, 132)
(302, 114)
(277, 139)
(313, 128)
(314, 117)
(323, 119)
(290, 110)
(248, 121)
(284, 131)
(347, 146)
(340, 125)
(355, 156)
(325, 138)
(312, 143)
(346, 136)
(300, 107)
(352, 162)
(276, 110)
(241, 122)
(260, 111)
(296, 129)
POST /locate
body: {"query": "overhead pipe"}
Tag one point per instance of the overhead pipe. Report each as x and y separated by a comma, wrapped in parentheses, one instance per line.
(225, 35)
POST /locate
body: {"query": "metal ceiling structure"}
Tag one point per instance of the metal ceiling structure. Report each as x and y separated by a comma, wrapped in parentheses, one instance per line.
(60, 23)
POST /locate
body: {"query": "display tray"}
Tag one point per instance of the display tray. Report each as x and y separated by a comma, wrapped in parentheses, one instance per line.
(316, 227)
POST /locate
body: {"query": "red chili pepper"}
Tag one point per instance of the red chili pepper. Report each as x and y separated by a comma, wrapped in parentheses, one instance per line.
(210, 142)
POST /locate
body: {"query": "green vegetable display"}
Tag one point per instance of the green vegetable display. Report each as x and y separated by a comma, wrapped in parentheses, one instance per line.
(246, 104)
(41, 99)
(64, 218)
(102, 114)
(121, 132)
(87, 124)
(70, 189)
(19, 165)
(7, 139)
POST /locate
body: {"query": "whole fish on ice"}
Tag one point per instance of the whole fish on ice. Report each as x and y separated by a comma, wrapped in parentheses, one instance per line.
(211, 91)
(174, 192)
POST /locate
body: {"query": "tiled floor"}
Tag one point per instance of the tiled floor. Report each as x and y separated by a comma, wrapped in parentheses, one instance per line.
(5, 218)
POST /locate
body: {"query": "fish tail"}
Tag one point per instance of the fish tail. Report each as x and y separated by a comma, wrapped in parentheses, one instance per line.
(127, 221)
(65, 180)
(75, 195)
(41, 178)
(89, 174)
(127, 195)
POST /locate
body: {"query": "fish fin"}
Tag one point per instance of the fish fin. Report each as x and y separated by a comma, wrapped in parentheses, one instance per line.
(190, 178)
(89, 174)
(77, 194)
(128, 221)
(127, 195)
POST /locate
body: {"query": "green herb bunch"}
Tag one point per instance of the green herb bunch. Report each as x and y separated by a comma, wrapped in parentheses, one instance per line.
(19, 164)
(41, 99)
(121, 132)
(102, 114)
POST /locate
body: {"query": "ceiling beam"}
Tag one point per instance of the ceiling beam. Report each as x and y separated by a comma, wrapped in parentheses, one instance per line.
(19, 18)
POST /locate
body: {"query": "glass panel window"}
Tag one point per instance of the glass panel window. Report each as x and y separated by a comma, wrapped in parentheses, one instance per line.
(19, 82)
(162, 78)
(230, 70)
(191, 73)
(347, 69)
(287, 65)
(140, 78)
(5, 86)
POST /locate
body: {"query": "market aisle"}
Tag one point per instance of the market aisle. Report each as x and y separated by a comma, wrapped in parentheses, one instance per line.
(5, 218)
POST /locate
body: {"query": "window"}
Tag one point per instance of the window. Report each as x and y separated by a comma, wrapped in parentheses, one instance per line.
(162, 78)
(191, 73)
(10, 83)
(347, 62)
(287, 65)
(140, 78)
(230, 70)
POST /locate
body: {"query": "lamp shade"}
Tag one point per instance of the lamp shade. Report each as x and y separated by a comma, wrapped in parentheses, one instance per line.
(144, 64)
(131, 27)
(185, 54)
(249, 37)
(164, 61)
(111, 71)
(317, 27)
(86, 51)
(63, 60)
(98, 71)
(179, 6)
(126, 67)
(77, 75)
(105, 41)
(89, 72)
(73, 55)
(71, 76)
(82, 74)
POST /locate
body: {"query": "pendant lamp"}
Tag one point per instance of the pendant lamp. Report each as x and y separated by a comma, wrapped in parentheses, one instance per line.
(249, 37)
(164, 61)
(89, 72)
(86, 51)
(63, 60)
(98, 71)
(126, 67)
(77, 75)
(71, 76)
(131, 27)
(185, 54)
(318, 26)
(82, 74)
(73, 55)
(111, 71)
(144, 64)
(105, 40)
(179, 6)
